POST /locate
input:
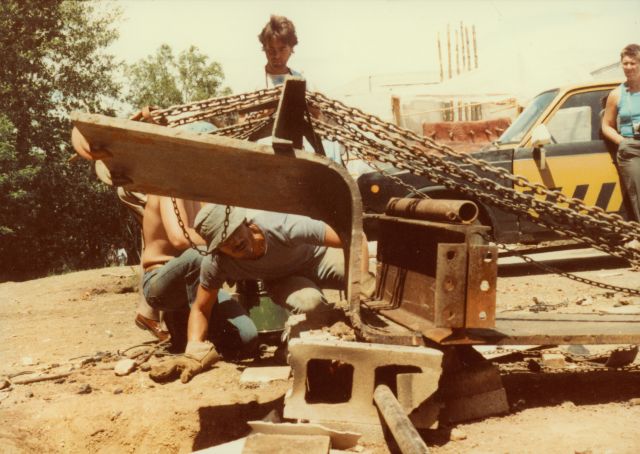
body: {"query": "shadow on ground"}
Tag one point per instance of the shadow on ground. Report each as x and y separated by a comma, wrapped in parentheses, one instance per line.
(544, 390)
(225, 423)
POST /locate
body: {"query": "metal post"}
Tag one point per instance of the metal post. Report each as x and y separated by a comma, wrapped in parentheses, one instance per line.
(449, 49)
(440, 59)
(403, 431)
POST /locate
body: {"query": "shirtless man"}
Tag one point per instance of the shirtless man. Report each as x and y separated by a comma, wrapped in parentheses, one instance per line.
(172, 270)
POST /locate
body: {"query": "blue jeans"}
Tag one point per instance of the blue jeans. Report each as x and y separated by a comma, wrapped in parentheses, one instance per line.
(302, 292)
(173, 287)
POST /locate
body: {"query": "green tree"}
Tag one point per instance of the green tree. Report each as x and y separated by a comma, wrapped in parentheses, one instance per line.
(163, 80)
(55, 214)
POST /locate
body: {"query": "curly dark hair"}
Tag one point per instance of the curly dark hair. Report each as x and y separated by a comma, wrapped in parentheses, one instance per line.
(281, 28)
(632, 50)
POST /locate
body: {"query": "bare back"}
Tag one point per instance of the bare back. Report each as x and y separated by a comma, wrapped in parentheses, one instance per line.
(163, 238)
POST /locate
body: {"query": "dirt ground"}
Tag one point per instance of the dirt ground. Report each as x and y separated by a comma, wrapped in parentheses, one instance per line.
(78, 323)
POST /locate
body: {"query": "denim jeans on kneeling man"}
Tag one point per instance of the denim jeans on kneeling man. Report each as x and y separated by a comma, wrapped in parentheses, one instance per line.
(173, 287)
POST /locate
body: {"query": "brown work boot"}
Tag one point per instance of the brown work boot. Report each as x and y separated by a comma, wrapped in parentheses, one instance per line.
(152, 326)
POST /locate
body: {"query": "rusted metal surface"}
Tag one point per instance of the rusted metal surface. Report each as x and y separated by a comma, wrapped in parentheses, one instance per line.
(482, 280)
(424, 276)
(450, 285)
(290, 123)
(438, 210)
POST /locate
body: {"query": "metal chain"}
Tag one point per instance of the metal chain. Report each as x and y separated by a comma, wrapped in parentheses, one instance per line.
(332, 134)
(201, 110)
(372, 139)
(184, 229)
(227, 212)
(421, 155)
(554, 270)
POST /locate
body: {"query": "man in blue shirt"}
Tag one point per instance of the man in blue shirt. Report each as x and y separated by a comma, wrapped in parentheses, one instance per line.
(295, 256)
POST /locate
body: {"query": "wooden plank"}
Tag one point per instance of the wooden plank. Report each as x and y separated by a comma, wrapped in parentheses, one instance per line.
(158, 160)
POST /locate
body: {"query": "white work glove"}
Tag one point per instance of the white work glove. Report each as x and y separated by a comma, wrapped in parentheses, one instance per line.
(198, 356)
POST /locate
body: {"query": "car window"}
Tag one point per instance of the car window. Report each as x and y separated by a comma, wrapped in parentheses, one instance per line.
(571, 124)
(527, 118)
(578, 118)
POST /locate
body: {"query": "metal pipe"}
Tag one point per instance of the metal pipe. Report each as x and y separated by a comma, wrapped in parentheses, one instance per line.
(403, 431)
(439, 210)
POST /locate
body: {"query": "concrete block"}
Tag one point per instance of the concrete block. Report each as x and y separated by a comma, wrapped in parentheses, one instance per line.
(477, 406)
(368, 366)
(423, 414)
(472, 391)
(471, 380)
(553, 360)
(287, 444)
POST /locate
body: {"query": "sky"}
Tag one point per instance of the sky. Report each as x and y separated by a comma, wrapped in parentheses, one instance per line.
(340, 41)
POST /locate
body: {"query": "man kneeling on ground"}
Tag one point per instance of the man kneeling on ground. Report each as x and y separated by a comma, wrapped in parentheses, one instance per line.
(294, 255)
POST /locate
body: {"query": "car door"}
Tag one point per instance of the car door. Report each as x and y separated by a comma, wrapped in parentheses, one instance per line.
(577, 162)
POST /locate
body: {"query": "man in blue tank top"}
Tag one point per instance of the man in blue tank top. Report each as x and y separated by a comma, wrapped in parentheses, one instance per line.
(621, 125)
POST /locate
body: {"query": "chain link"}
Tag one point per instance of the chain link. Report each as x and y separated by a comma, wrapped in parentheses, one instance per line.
(184, 229)
(185, 232)
(227, 212)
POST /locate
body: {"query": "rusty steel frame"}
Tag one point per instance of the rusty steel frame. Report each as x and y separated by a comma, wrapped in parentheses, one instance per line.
(151, 159)
(434, 277)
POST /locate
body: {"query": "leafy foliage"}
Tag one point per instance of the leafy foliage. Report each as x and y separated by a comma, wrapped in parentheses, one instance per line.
(54, 215)
(162, 80)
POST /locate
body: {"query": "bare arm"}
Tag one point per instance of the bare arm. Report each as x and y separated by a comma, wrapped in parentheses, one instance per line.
(331, 239)
(172, 227)
(198, 326)
(609, 119)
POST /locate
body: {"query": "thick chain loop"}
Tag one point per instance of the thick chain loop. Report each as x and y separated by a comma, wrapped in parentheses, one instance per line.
(227, 212)
(183, 227)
